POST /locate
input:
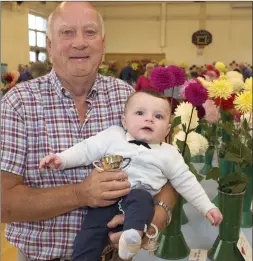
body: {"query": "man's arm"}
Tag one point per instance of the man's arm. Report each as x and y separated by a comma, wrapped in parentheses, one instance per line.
(168, 195)
(23, 203)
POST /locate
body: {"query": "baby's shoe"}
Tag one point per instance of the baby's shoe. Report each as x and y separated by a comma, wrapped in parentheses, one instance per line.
(129, 244)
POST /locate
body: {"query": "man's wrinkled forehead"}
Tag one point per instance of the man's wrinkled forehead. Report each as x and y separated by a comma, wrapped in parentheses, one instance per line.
(83, 17)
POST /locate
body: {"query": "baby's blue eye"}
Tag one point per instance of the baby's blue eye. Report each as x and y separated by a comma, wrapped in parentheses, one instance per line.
(159, 116)
(139, 113)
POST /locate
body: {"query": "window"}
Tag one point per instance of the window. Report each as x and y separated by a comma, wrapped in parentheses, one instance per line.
(37, 38)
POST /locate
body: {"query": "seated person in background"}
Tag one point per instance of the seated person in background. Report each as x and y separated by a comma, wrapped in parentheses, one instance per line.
(126, 73)
(146, 123)
(144, 81)
(24, 74)
(245, 71)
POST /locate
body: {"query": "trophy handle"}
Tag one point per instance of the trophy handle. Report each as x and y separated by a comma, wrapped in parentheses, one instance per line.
(96, 166)
(126, 164)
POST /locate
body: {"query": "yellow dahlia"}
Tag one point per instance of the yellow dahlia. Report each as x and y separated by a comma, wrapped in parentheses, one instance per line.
(204, 82)
(221, 67)
(220, 89)
(248, 84)
(243, 102)
(223, 77)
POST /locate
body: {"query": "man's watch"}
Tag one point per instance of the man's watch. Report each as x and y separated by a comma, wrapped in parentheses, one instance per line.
(166, 208)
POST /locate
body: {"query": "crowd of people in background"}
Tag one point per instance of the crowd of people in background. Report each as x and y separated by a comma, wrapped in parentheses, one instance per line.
(139, 77)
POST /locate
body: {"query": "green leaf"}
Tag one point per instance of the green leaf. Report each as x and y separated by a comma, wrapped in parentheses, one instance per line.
(187, 155)
(184, 127)
(180, 145)
(245, 125)
(233, 183)
(175, 123)
(233, 157)
(228, 127)
(213, 173)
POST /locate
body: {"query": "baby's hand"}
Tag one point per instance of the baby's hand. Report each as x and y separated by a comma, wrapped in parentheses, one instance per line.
(214, 216)
(52, 161)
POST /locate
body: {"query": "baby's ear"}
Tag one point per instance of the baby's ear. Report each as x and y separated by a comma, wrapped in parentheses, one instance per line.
(123, 121)
(168, 129)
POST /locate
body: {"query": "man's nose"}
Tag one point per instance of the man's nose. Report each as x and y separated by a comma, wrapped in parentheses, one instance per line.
(80, 41)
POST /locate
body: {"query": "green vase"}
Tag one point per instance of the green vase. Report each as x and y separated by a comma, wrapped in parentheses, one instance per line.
(198, 159)
(224, 247)
(246, 221)
(208, 162)
(226, 167)
(184, 219)
(172, 243)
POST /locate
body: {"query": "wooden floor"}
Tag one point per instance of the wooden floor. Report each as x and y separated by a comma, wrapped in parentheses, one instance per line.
(8, 252)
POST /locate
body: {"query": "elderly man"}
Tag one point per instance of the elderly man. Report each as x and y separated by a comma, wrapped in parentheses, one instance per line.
(44, 211)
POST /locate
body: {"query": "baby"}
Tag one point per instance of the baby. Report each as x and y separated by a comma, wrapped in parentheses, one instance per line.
(146, 123)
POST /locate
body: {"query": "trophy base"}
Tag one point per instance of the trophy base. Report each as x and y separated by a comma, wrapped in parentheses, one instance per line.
(224, 250)
(172, 247)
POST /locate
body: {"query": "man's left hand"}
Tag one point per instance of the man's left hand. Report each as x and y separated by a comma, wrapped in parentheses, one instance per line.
(159, 220)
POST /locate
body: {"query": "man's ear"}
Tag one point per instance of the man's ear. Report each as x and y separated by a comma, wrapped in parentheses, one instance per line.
(48, 46)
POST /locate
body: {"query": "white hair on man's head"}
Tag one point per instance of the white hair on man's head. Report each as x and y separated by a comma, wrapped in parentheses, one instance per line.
(53, 14)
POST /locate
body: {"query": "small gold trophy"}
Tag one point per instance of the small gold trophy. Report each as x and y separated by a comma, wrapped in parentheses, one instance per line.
(111, 163)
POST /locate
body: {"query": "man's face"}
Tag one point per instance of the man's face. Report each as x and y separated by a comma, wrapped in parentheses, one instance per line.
(77, 45)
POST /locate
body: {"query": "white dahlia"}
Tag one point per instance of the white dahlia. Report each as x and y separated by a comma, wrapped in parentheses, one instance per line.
(197, 143)
(184, 110)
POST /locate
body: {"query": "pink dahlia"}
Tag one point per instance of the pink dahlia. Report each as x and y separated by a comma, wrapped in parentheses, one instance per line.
(182, 89)
(196, 94)
(162, 78)
(179, 74)
(212, 111)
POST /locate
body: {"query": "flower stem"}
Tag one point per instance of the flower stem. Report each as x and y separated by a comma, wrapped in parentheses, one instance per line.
(216, 134)
(171, 104)
(187, 131)
(172, 93)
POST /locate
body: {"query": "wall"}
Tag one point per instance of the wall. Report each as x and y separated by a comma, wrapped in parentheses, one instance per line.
(139, 29)
(150, 27)
(14, 38)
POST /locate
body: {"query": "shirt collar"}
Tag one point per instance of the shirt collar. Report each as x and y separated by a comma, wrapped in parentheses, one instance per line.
(62, 92)
(152, 146)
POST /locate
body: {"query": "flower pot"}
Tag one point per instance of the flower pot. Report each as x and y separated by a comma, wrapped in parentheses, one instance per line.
(226, 167)
(208, 162)
(198, 159)
(246, 221)
(184, 219)
(172, 243)
(224, 247)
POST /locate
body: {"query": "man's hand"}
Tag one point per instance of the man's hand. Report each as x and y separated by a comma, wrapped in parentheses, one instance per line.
(159, 219)
(102, 189)
(114, 237)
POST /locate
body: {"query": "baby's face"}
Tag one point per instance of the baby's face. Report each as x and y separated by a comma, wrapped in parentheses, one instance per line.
(147, 118)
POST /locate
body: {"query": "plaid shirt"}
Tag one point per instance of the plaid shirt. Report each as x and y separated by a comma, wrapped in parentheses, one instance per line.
(38, 118)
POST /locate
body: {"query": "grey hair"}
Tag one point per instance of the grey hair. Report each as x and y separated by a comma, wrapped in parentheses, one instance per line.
(53, 14)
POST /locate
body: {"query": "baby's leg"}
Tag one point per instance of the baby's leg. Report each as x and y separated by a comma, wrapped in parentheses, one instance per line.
(93, 237)
(138, 208)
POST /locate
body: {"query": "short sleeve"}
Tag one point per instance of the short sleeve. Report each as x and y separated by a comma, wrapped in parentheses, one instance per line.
(13, 137)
